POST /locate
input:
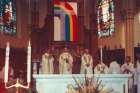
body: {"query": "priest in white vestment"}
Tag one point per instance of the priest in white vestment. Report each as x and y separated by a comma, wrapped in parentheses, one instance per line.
(101, 68)
(114, 68)
(128, 66)
(65, 62)
(86, 63)
(47, 63)
(137, 74)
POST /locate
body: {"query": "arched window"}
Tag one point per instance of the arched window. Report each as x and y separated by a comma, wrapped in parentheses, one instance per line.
(8, 17)
(105, 18)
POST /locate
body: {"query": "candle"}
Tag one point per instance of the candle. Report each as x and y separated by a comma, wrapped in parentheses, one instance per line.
(6, 62)
(29, 12)
(139, 17)
(101, 54)
(29, 63)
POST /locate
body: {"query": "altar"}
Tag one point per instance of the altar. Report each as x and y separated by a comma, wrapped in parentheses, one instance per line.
(57, 83)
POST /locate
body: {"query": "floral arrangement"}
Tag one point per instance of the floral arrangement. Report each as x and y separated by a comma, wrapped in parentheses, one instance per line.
(89, 85)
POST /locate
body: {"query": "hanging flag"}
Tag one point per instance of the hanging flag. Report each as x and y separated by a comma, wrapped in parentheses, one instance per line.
(65, 21)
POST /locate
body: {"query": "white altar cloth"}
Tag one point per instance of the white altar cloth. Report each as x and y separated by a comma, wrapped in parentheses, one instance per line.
(57, 83)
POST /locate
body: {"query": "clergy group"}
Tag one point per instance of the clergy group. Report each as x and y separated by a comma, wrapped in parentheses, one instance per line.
(66, 61)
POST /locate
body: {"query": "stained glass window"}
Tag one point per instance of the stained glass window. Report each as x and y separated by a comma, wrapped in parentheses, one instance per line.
(8, 17)
(105, 18)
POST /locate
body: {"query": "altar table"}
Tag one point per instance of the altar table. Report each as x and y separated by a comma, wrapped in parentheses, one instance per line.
(57, 83)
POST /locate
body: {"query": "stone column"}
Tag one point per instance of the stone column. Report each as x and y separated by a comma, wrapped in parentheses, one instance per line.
(129, 28)
(90, 28)
(94, 33)
(81, 21)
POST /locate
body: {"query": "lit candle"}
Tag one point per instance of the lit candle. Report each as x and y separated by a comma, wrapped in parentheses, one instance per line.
(29, 63)
(101, 54)
(6, 62)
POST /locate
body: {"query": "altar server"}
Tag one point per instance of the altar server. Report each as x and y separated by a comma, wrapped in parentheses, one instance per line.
(114, 68)
(101, 68)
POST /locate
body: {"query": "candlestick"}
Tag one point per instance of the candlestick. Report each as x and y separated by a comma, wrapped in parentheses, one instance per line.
(6, 62)
(17, 85)
(29, 63)
(101, 54)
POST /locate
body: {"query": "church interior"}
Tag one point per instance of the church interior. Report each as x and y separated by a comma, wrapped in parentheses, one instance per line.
(106, 30)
